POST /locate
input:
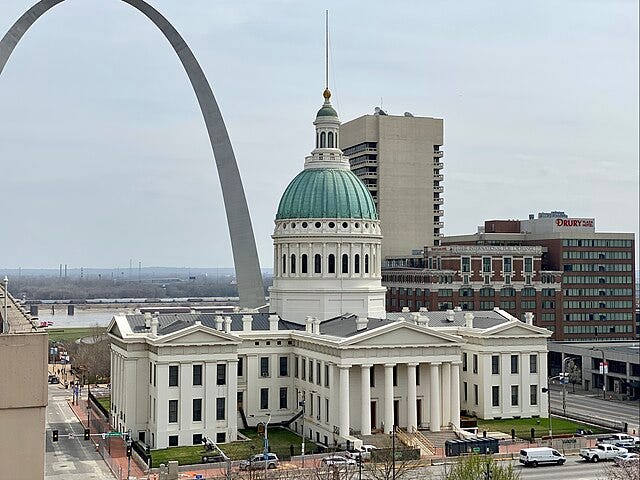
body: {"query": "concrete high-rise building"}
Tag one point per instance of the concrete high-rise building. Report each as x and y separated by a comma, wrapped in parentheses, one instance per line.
(399, 159)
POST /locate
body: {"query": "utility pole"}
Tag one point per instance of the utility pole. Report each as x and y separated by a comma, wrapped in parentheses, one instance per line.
(303, 413)
(393, 452)
(128, 454)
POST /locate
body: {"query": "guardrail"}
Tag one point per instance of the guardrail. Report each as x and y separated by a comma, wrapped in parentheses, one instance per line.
(599, 422)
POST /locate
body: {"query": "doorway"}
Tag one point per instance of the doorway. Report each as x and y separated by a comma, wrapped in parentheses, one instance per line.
(374, 419)
(419, 411)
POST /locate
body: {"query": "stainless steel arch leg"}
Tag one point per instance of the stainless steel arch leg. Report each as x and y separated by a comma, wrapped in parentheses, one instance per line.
(245, 254)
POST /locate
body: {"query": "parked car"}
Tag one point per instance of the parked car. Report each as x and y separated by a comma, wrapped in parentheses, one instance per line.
(620, 440)
(339, 461)
(536, 456)
(627, 459)
(257, 462)
(363, 452)
(602, 451)
(53, 379)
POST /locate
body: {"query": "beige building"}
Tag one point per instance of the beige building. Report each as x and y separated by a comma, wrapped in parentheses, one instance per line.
(23, 392)
(399, 159)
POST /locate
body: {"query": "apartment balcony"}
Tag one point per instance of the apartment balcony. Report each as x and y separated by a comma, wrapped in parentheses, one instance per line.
(438, 189)
(438, 235)
(438, 178)
(438, 154)
(438, 201)
(438, 165)
(438, 224)
(365, 175)
(438, 213)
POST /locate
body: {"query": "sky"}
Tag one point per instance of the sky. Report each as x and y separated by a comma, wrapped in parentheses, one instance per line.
(104, 156)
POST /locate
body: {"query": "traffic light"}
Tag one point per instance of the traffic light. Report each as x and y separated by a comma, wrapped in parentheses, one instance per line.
(128, 450)
(87, 434)
(55, 435)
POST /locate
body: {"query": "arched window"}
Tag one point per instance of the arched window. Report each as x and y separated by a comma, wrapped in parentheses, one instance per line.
(317, 260)
(303, 261)
(293, 263)
(345, 263)
(284, 264)
(322, 140)
(366, 263)
(330, 140)
(317, 140)
(336, 140)
(356, 264)
(332, 263)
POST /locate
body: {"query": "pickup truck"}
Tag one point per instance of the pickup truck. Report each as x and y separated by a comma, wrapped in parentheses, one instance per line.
(602, 451)
(620, 440)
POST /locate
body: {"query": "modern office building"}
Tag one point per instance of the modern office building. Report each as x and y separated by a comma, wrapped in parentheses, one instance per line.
(598, 279)
(399, 159)
(326, 341)
(23, 391)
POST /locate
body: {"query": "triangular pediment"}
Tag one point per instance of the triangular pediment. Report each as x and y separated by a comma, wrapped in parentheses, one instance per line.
(198, 334)
(517, 329)
(402, 334)
(113, 327)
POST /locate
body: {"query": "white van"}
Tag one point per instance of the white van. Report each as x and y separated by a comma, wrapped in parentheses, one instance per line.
(536, 456)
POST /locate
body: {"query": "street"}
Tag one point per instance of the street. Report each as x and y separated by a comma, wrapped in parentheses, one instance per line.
(69, 458)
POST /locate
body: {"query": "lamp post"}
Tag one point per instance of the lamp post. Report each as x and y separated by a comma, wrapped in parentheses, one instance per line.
(547, 390)
(265, 452)
(302, 403)
(564, 380)
(604, 372)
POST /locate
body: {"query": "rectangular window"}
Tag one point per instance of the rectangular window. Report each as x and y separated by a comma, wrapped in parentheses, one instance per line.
(533, 363)
(475, 363)
(173, 411)
(475, 394)
(318, 373)
(284, 395)
(221, 437)
(196, 413)
(155, 374)
(506, 264)
(466, 264)
(220, 408)
(533, 394)
(495, 396)
(326, 412)
(264, 366)
(464, 392)
(197, 439)
(173, 440)
(528, 264)
(486, 264)
(296, 366)
(240, 366)
(197, 375)
(514, 363)
(264, 398)
(304, 368)
(221, 374)
(284, 366)
(173, 375)
(150, 373)
(495, 364)
(464, 362)
(326, 375)
(514, 395)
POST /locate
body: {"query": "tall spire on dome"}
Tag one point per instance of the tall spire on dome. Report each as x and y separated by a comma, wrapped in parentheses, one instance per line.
(327, 93)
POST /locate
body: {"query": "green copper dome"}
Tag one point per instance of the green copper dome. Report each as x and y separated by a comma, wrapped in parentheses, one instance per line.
(327, 111)
(326, 193)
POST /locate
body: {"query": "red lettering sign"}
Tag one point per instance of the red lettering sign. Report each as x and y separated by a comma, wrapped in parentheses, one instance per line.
(574, 222)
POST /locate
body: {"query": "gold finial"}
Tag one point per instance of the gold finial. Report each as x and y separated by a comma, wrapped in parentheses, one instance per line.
(326, 94)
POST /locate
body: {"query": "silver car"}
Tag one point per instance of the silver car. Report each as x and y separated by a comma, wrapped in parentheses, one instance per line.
(257, 462)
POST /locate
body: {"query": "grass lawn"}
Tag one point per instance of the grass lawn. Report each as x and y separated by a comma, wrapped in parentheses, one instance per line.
(280, 440)
(523, 426)
(71, 334)
(105, 402)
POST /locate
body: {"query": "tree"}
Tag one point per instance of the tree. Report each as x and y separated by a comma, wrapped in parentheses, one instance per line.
(574, 374)
(623, 471)
(480, 467)
(382, 464)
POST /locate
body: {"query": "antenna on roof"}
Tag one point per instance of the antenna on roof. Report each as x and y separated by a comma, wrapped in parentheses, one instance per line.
(326, 50)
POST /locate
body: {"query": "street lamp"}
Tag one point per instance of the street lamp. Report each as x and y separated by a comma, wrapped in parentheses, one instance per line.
(547, 390)
(266, 444)
(301, 404)
(604, 372)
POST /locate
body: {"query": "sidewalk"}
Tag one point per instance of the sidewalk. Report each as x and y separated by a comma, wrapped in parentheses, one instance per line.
(113, 449)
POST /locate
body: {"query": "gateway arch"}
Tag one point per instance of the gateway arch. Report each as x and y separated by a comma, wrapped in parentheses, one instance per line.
(245, 254)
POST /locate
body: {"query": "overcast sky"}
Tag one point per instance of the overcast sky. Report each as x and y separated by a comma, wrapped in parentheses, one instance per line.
(105, 158)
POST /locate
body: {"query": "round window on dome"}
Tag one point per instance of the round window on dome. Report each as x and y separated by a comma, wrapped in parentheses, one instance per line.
(318, 225)
(345, 224)
(304, 224)
(293, 225)
(332, 225)
(357, 225)
(284, 226)
(366, 225)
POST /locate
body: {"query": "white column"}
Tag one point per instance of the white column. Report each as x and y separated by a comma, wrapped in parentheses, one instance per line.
(412, 413)
(455, 394)
(209, 407)
(543, 398)
(434, 390)
(525, 408)
(344, 401)
(446, 388)
(388, 397)
(232, 399)
(365, 393)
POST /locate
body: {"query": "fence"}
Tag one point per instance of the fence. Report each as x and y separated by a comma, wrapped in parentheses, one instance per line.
(600, 422)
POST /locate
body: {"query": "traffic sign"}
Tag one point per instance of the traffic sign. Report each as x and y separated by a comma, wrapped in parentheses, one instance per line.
(112, 434)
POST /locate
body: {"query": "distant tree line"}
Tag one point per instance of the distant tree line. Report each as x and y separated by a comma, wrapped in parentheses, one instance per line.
(40, 288)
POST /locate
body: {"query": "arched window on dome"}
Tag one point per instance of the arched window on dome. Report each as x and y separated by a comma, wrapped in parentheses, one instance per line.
(292, 267)
(303, 263)
(356, 263)
(336, 140)
(317, 260)
(322, 140)
(317, 140)
(330, 139)
(366, 263)
(345, 263)
(332, 263)
(284, 264)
